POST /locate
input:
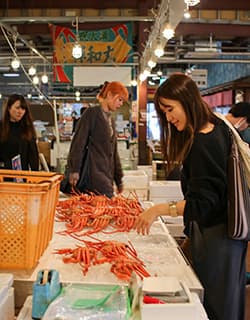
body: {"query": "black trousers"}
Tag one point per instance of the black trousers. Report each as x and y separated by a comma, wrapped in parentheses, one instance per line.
(220, 264)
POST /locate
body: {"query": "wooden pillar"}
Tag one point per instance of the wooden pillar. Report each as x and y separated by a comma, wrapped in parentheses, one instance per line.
(143, 151)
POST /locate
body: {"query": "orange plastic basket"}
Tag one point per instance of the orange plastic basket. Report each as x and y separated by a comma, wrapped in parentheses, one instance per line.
(27, 210)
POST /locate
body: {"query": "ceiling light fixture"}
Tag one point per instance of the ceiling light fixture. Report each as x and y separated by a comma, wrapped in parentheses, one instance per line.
(187, 14)
(35, 80)
(147, 71)
(77, 51)
(77, 48)
(142, 77)
(133, 81)
(167, 31)
(44, 78)
(32, 70)
(152, 62)
(159, 50)
(159, 73)
(169, 14)
(15, 63)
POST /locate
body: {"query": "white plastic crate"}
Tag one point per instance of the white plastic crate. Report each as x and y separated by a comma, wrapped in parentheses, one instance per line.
(148, 169)
(175, 225)
(135, 179)
(178, 311)
(193, 310)
(165, 190)
(128, 164)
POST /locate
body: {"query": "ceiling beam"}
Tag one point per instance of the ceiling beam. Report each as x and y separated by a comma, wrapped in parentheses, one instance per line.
(223, 5)
(218, 29)
(68, 19)
(122, 4)
(93, 4)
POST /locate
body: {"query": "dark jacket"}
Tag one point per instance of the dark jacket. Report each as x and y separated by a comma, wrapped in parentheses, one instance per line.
(93, 154)
(15, 145)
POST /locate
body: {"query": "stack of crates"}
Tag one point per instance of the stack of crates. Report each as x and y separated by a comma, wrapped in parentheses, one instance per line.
(135, 182)
(165, 190)
(149, 171)
(27, 207)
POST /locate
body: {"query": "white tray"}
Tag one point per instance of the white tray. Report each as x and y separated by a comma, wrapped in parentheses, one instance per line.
(161, 285)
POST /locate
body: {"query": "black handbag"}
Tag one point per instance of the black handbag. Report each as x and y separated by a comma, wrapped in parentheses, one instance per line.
(83, 181)
(65, 186)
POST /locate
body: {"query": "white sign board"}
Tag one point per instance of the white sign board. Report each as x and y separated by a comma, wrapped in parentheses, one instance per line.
(95, 76)
(200, 77)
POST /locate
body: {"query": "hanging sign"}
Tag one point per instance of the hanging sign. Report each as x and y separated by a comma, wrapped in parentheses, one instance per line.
(112, 45)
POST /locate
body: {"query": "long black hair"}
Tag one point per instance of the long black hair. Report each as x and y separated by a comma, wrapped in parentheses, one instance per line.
(28, 130)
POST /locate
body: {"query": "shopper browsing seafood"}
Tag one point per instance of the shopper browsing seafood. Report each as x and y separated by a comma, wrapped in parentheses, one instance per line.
(193, 135)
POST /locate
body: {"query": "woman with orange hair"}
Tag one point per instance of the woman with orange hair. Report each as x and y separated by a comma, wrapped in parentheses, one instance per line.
(93, 161)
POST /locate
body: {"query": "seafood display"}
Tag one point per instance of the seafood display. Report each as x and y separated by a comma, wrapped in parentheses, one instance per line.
(122, 257)
(88, 214)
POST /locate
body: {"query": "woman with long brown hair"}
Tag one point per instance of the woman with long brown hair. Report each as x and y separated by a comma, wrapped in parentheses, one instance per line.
(193, 135)
(17, 135)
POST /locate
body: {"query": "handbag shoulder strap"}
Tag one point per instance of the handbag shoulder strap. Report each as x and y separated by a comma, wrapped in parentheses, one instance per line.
(229, 124)
(243, 147)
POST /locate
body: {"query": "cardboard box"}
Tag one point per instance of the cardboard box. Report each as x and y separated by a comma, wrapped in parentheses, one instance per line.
(44, 148)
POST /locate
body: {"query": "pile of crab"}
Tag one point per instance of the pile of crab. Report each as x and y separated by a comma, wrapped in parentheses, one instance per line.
(86, 214)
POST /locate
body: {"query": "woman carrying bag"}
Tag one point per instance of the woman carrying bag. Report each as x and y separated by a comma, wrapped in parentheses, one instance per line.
(93, 161)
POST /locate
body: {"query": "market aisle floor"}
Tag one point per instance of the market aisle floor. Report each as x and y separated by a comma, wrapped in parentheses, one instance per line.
(248, 303)
(186, 252)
